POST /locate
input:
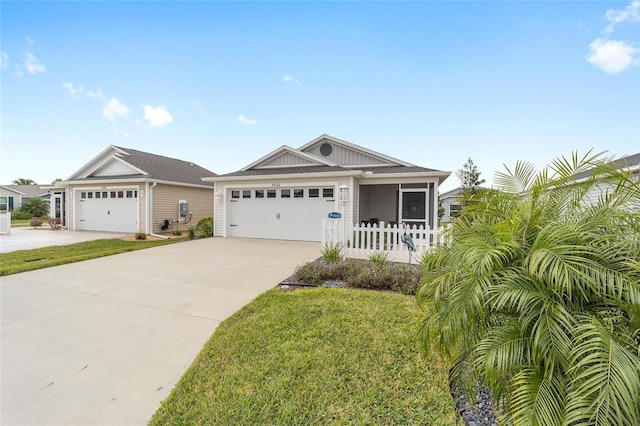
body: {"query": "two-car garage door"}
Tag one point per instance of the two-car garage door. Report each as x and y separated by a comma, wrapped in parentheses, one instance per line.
(113, 210)
(291, 213)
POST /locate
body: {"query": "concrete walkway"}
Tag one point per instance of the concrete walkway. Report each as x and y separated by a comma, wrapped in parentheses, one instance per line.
(103, 342)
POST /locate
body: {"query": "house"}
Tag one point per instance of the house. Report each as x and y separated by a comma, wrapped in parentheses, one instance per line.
(12, 196)
(126, 190)
(630, 163)
(451, 204)
(287, 193)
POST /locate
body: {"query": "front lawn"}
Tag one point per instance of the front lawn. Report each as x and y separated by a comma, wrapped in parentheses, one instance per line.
(28, 260)
(316, 356)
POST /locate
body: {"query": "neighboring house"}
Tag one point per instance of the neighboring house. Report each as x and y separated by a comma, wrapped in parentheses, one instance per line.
(631, 163)
(451, 204)
(126, 190)
(12, 196)
(289, 192)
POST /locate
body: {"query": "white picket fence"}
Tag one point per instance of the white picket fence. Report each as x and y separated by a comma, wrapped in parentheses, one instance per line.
(366, 239)
(5, 223)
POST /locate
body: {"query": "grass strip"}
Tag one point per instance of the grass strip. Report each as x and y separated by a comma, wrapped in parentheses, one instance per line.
(314, 357)
(28, 260)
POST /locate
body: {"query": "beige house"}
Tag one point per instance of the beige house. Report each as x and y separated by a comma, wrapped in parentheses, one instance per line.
(287, 193)
(126, 190)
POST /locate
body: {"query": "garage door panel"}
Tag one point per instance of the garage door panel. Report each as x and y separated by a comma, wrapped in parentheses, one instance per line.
(112, 210)
(292, 218)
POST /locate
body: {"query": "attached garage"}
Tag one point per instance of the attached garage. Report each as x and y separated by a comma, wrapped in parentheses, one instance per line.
(289, 213)
(111, 210)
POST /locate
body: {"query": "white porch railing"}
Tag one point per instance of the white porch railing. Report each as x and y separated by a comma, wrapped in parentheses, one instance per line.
(367, 239)
(5, 223)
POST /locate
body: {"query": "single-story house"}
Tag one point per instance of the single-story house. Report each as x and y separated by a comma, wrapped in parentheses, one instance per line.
(126, 190)
(287, 193)
(630, 163)
(450, 202)
(12, 196)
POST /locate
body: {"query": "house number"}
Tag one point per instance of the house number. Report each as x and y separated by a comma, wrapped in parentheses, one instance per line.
(275, 184)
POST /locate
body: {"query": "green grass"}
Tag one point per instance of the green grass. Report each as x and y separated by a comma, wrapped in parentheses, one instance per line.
(20, 223)
(315, 357)
(28, 260)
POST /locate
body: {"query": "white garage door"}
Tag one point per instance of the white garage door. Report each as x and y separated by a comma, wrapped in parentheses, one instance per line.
(113, 210)
(294, 213)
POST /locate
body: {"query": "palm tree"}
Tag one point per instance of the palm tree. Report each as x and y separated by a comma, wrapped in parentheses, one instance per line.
(37, 206)
(538, 295)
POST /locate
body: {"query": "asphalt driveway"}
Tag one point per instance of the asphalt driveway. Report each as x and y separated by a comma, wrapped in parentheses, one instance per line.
(103, 342)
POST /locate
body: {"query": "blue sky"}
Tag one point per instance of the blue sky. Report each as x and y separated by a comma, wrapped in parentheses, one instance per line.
(224, 83)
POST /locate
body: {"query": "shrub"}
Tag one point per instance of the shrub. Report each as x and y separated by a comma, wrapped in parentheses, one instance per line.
(380, 258)
(177, 232)
(35, 221)
(403, 279)
(332, 252)
(204, 227)
(20, 215)
(192, 233)
(141, 236)
(347, 268)
(313, 273)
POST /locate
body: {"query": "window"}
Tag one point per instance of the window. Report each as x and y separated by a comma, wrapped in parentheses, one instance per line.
(298, 193)
(314, 193)
(113, 194)
(259, 193)
(235, 194)
(104, 194)
(271, 193)
(89, 194)
(120, 194)
(83, 195)
(327, 193)
(98, 194)
(246, 193)
(129, 194)
(285, 193)
(4, 206)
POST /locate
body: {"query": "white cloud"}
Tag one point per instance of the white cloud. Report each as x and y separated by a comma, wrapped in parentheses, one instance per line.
(157, 116)
(4, 60)
(631, 13)
(114, 110)
(611, 56)
(32, 64)
(290, 79)
(73, 91)
(244, 120)
(96, 94)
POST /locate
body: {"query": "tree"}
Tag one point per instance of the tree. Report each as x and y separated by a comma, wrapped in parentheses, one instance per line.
(469, 176)
(538, 294)
(36, 206)
(23, 181)
(56, 181)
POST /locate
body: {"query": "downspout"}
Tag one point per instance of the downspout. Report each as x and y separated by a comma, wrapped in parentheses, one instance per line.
(150, 209)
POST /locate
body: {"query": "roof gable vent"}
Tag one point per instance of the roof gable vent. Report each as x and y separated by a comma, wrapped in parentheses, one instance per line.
(326, 149)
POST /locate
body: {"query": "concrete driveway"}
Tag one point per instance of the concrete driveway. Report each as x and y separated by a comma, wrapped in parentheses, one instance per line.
(103, 342)
(30, 238)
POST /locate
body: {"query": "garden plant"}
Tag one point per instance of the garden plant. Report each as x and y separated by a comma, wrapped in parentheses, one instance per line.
(538, 294)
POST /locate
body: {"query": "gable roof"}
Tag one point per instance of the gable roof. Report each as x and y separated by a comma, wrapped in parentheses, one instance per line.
(329, 155)
(631, 162)
(119, 163)
(29, 190)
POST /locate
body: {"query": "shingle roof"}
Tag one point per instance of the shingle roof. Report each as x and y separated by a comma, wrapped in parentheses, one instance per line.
(165, 168)
(287, 170)
(29, 190)
(629, 161)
